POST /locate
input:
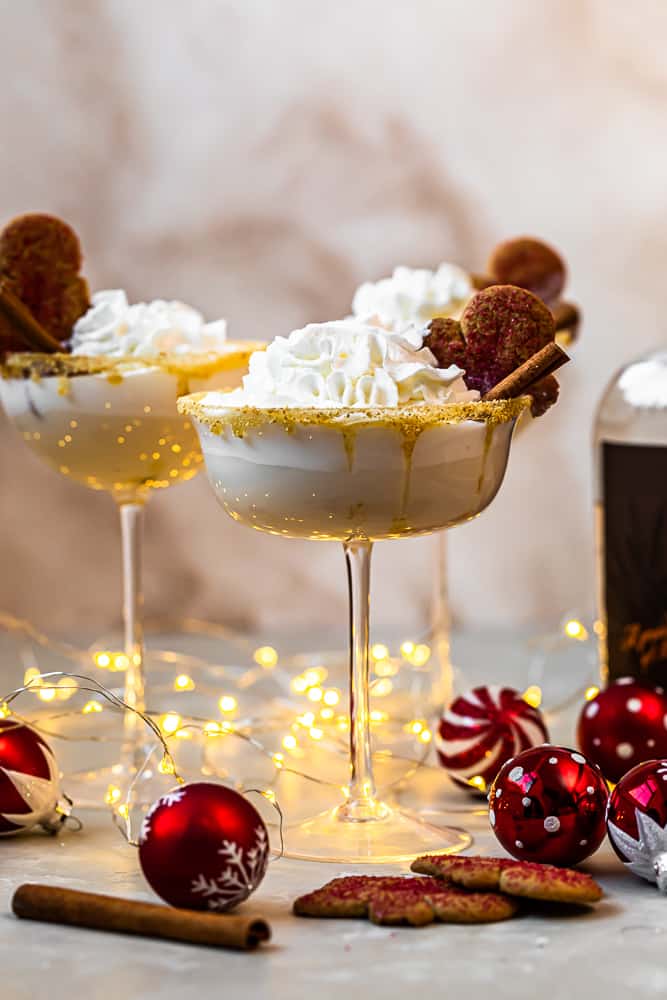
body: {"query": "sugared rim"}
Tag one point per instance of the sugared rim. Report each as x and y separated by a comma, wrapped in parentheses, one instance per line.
(31, 364)
(417, 417)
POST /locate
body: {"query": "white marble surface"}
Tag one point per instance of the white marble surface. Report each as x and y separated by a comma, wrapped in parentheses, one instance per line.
(612, 951)
(259, 159)
(617, 948)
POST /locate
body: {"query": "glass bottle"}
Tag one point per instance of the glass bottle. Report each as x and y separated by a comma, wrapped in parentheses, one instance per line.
(631, 521)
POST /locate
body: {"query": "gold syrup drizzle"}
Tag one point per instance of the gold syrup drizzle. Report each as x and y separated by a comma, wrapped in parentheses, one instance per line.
(488, 438)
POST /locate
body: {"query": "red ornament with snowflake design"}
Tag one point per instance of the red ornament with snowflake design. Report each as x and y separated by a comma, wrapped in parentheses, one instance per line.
(482, 729)
(203, 847)
(29, 781)
(548, 804)
(637, 821)
(624, 725)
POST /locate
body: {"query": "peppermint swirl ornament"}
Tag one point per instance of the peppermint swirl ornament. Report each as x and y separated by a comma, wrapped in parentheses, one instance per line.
(29, 781)
(482, 729)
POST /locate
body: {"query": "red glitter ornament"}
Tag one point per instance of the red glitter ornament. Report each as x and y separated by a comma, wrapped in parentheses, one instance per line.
(29, 781)
(203, 847)
(624, 725)
(482, 729)
(548, 805)
(637, 821)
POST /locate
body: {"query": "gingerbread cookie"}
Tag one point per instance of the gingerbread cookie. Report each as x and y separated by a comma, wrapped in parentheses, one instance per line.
(515, 878)
(40, 259)
(397, 900)
(446, 341)
(530, 264)
(503, 326)
(544, 394)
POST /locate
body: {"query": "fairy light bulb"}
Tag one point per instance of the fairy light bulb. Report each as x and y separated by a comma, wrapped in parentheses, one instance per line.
(113, 794)
(166, 765)
(169, 723)
(379, 651)
(382, 687)
(91, 706)
(183, 682)
(228, 703)
(533, 696)
(32, 677)
(575, 630)
(266, 656)
(591, 692)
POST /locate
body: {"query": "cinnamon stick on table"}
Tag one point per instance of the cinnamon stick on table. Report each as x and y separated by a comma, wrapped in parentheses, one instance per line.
(25, 324)
(544, 363)
(107, 913)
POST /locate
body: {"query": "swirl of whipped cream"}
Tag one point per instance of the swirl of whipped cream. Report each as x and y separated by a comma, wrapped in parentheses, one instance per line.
(413, 296)
(345, 363)
(115, 328)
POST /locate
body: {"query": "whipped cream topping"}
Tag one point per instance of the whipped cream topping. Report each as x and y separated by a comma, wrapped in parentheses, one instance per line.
(345, 363)
(413, 296)
(644, 384)
(115, 328)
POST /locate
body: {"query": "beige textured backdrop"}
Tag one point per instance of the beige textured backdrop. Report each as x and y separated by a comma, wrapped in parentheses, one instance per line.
(258, 159)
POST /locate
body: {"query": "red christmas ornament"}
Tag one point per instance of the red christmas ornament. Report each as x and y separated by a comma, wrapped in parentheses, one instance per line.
(203, 847)
(482, 729)
(637, 821)
(548, 804)
(29, 781)
(624, 725)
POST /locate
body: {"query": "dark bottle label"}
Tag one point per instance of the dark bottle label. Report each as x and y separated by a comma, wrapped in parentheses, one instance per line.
(635, 560)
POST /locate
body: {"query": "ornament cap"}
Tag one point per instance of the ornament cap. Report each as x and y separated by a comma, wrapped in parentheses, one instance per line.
(660, 869)
(62, 811)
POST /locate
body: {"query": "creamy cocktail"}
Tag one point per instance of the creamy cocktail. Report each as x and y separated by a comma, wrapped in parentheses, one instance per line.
(349, 432)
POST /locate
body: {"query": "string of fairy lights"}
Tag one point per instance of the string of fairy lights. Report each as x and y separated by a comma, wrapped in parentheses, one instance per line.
(307, 709)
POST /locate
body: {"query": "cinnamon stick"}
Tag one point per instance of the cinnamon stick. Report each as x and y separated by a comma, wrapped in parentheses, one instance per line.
(128, 916)
(544, 363)
(25, 324)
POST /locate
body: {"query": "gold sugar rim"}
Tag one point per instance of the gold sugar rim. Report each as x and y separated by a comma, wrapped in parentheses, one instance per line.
(417, 417)
(30, 364)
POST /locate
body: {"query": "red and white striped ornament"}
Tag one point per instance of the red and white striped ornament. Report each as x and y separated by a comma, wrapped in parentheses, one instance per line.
(29, 780)
(482, 729)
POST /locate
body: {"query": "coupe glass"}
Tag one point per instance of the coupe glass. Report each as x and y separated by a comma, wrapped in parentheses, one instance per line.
(356, 477)
(112, 425)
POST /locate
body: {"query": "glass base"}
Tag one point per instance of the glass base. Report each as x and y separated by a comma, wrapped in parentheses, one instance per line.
(400, 836)
(106, 787)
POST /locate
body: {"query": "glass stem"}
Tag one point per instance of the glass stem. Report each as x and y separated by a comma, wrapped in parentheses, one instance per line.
(131, 524)
(441, 624)
(361, 804)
